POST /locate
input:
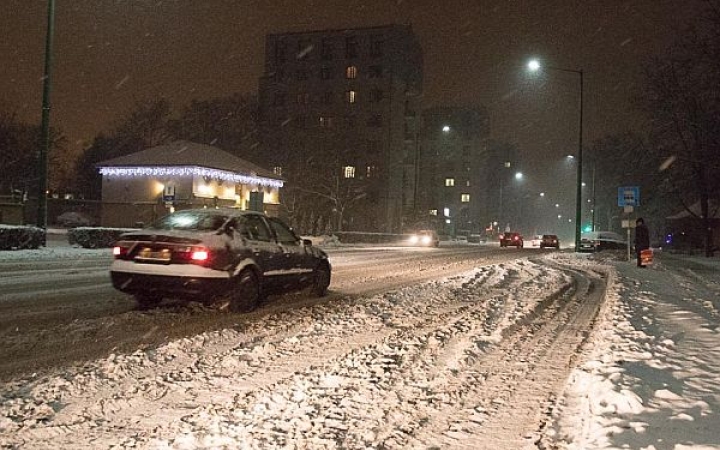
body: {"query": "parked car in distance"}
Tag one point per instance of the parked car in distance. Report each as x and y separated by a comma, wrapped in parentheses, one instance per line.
(511, 238)
(426, 238)
(549, 241)
(601, 240)
(232, 256)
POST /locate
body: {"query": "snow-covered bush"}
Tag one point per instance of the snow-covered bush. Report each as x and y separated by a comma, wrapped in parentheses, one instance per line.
(72, 219)
(20, 237)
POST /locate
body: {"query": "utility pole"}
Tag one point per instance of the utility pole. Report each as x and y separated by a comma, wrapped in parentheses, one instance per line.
(45, 144)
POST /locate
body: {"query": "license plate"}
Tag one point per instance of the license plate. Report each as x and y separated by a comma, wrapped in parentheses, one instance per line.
(149, 254)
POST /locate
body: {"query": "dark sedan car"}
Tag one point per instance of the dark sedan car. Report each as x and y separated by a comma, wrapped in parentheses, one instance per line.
(511, 239)
(549, 241)
(602, 240)
(216, 254)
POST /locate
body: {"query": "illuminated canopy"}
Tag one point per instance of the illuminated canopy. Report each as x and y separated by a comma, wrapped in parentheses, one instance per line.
(166, 171)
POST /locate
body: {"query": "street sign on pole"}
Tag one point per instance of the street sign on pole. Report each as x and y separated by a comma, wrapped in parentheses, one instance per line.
(169, 194)
(629, 196)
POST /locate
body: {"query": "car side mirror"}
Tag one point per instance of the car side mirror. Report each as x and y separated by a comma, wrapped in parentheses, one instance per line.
(307, 242)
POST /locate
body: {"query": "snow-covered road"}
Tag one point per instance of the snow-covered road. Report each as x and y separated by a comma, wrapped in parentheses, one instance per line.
(440, 363)
(523, 354)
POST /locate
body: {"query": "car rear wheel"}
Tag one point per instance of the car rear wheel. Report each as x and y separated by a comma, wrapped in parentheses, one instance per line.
(245, 292)
(147, 301)
(321, 281)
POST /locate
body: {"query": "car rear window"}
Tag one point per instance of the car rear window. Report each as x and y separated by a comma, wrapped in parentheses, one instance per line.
(190, 221)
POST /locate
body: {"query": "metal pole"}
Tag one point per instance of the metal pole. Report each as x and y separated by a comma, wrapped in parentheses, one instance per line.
(593, 195)
(578, 195)
(45, 145)
(500, 218)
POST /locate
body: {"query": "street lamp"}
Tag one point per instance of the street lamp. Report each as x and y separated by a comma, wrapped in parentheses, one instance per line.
(534, 66)
(45, 145)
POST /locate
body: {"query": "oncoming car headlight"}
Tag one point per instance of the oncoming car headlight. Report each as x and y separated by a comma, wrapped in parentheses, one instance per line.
(414, 239)
(426, 240)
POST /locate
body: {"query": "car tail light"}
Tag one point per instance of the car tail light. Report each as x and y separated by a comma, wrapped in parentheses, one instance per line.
(515, 238)
(121, 249)
(200, 255)
(192, 255)
(502, 236)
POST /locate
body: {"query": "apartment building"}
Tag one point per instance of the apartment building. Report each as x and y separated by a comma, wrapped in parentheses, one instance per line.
(339, 113)
(455, 189)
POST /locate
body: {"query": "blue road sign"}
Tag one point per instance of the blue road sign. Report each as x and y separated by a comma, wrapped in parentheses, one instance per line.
(629, 196)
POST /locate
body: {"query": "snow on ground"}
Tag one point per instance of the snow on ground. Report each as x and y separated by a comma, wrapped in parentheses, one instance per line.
(649, 377)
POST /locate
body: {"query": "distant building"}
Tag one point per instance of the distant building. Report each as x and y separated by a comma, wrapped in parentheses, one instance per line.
(504, 191)
(339, 111)
(143, 186)
(454, 188)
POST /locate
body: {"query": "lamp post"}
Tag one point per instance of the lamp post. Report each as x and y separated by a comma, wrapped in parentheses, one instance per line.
(45, 145)
(534, 66)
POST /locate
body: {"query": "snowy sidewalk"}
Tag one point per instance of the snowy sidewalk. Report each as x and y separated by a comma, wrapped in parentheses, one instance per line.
(652, 376)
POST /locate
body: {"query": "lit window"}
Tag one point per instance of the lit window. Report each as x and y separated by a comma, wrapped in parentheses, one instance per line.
(326, 122)
(370, 171)
(433, 212)
(277, 170)
(349, 171)
(351, 96)
(351, 72)
(465, 198)
(449, 182)
(467, 183)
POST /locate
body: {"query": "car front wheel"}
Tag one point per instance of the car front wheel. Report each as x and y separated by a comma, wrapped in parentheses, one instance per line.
(321, 281)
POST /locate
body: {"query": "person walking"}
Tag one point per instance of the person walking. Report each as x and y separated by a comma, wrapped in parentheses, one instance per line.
(642, 239)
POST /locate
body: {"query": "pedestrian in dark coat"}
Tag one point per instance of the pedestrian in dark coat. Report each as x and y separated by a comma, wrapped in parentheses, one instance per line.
(642, 239)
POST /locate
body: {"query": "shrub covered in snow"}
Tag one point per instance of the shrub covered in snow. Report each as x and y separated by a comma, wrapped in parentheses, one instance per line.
(72, 219)
(19, 237)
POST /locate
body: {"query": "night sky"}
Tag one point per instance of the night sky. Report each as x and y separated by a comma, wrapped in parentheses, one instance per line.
(110, 54)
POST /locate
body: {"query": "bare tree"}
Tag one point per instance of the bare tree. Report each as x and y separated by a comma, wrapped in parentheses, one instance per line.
(19, 144)
(229, 123)
(682, 98)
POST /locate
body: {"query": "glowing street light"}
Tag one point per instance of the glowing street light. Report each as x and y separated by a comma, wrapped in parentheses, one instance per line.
(534, 66)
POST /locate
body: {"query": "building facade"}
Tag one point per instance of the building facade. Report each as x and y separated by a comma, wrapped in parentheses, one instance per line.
(453, 188)
(338, 115)
(143, 186)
